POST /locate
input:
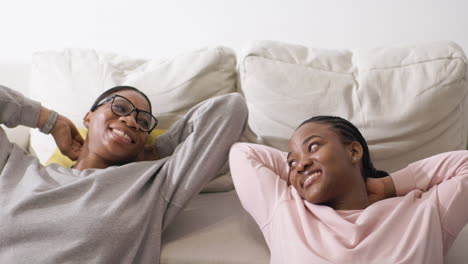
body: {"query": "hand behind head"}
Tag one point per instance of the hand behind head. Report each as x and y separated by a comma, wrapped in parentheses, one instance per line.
(67, 137)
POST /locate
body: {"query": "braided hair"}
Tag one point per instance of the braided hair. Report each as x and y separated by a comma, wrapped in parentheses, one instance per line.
(349, 133)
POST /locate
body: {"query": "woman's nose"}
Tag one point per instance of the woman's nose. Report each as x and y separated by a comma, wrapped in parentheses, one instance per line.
(304, 164)
(130, 120)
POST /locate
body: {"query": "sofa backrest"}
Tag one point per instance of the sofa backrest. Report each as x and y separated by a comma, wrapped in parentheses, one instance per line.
(69, 81)
(408, 102)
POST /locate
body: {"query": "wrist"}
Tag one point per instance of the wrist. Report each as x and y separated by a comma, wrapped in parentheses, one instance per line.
(47, 120)
(389, 187)
(43, 115)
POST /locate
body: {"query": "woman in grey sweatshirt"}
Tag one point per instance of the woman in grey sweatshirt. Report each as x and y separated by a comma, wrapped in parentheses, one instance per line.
(114, 204)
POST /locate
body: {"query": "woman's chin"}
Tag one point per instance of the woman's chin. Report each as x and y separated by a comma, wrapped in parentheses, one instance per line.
(314, 197)
(311, 199)
(120, 159)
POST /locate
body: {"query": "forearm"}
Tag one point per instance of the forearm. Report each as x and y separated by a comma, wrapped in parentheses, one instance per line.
(424, 174)
(256, 171)
(15, 109)
(446, 176)
(200, 143)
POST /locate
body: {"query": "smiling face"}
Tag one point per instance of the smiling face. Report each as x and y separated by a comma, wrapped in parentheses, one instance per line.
(116, 139)
(323, 169)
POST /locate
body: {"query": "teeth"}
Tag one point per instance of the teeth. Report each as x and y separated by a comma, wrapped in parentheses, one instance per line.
(310, 177)
(122, 134)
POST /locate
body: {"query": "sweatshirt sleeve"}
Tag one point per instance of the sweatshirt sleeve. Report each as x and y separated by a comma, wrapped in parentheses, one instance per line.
(197, 147)
(258, 173)
(448, 173)
(15, 109)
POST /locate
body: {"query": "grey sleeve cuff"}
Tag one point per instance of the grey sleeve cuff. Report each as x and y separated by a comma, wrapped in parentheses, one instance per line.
(30, 113)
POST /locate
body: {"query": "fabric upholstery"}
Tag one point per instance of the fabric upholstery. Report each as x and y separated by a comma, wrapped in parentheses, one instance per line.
(76, 77)
(392, 94)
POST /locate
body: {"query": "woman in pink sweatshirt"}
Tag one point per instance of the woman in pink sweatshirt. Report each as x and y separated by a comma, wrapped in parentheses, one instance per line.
(324, 202)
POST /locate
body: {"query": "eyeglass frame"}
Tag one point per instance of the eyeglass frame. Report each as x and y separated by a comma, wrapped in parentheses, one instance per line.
(134, 109)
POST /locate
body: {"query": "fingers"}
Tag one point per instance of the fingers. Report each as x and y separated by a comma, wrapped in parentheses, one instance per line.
(76, 144)
(67, 138)
(75, 133)
(75, 150)
(80, 140)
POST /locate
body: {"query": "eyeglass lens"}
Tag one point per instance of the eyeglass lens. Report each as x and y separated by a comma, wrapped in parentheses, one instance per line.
(123, 107)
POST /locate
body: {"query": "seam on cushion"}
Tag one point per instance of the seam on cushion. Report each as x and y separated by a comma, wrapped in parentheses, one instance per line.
(439, 84)
(221, 57)
(415, 63)
(199, 74)
(266, 115)
(355, 75)
(242, 81)
(219, 53)
(176, 86)
(425, 142)
(301, 65)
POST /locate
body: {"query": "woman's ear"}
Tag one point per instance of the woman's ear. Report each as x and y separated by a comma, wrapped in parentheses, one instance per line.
(87, 119)
(356, 151)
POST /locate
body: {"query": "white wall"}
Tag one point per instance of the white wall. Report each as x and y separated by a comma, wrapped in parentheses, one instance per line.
(145, 28)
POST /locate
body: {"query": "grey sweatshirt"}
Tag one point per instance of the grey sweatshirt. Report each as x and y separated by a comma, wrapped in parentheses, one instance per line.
(114, 215)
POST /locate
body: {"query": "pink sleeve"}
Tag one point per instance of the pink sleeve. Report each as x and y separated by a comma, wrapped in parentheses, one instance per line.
(255, 171)
(448, 172)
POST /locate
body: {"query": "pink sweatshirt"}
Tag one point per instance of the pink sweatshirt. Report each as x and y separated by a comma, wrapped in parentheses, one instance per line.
(418, 226)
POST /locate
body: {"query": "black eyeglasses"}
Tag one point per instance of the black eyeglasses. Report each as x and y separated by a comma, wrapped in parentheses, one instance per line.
(121, 106)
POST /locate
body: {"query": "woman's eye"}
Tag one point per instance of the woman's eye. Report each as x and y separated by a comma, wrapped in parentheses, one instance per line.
(119, 108)
(143, 123)
(292, 163)
(313, 147)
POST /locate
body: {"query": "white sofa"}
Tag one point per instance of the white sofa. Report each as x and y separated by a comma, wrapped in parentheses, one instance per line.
(409, 102)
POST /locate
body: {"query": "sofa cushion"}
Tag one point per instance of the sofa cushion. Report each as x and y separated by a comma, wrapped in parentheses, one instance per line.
(69, 81)
(409, 102)
(214, 228)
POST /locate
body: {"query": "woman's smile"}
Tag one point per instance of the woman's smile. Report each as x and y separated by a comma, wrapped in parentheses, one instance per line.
(311, 177)
(121, 136)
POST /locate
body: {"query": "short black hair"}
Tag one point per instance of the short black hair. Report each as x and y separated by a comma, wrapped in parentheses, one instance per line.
(349, 133)
(116, 89)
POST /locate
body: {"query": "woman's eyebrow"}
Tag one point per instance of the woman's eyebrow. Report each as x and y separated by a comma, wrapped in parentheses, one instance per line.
(309, 138)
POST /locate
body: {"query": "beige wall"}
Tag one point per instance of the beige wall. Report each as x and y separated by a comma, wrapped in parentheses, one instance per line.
(149, 28)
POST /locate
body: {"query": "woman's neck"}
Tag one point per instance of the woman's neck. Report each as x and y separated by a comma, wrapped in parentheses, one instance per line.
(355, 198)
(89, 164)
(89, 160)
(358, 203)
